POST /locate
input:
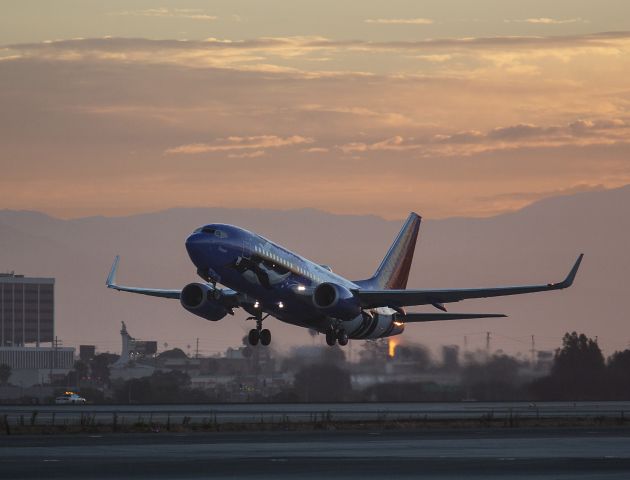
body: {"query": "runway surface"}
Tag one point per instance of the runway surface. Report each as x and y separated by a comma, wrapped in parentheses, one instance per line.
(310, 412)
(483, 453)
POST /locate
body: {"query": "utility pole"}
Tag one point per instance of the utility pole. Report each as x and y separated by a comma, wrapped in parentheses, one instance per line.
(533, 351)
(465, 343)
(197, 349)
(53, 360)
(488, 343)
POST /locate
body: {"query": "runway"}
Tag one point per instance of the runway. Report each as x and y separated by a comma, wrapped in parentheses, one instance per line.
(444, 454)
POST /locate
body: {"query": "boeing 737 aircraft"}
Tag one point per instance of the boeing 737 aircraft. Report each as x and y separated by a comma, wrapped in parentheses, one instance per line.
(266, 279)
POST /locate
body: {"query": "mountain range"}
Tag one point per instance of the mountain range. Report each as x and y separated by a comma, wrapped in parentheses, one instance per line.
(536, 244)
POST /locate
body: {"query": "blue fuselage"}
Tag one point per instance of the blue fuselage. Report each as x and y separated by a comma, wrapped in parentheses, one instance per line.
(274, 279)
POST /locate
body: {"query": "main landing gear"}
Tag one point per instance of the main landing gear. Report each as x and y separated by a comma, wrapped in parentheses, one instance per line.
(336, 335)
(259, 334)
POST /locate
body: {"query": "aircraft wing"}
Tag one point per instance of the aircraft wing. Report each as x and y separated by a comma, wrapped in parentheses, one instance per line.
(226, 296)
(111, 283)
(436, 317)
(403, 298)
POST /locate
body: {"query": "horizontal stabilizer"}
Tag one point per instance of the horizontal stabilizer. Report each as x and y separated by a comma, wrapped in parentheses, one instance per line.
(435, 317)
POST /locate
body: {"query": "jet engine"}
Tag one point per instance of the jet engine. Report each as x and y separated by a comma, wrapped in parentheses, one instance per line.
(336, 301)
(376, 323)
(199, 299)
(393, 323)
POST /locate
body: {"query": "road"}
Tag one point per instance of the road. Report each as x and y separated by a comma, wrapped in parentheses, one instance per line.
(441, 454)
(248, 413)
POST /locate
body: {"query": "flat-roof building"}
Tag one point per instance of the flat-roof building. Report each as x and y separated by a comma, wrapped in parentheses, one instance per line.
(27, 310)
(42, 358)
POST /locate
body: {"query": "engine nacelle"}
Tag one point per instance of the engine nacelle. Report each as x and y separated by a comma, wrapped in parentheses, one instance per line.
(376, 323)
(397, 324)
(336, 301)
(199, 299)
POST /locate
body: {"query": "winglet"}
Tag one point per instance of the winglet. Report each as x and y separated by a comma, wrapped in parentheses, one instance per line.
(111, 278)
(567, 282)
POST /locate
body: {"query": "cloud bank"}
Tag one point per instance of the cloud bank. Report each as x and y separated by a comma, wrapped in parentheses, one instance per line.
(115, 125)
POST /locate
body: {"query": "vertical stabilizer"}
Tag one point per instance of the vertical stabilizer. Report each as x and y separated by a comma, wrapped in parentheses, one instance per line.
(393, 271)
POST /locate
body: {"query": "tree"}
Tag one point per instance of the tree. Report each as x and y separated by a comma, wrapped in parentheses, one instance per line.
(174, 353)
(78, 373)
(578, 371)
(619, 375)
(334, 355)
(5, 373)
(92, 395)
(324, 382)
(578, 352)
(168, 386)
(418, 354)
(374, 352)
(495, 380)
(160, 387)
(100, 366)
(82, 369)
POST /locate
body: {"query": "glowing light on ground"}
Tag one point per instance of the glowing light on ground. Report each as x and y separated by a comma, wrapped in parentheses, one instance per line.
(392, 344)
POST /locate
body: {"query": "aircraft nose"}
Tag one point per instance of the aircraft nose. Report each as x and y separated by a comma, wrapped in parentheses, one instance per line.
(195, 245)
(195, 238)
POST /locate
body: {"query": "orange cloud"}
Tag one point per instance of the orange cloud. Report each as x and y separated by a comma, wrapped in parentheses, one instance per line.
(240, 143)
(400, 21)
(552, 21)
(162, 12)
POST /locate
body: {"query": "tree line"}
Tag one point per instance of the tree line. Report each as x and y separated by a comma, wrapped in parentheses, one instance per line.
(579, 372)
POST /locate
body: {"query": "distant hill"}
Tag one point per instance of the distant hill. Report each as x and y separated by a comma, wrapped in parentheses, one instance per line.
(536, 244)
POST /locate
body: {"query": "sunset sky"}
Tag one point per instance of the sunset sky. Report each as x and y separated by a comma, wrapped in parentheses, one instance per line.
(450, 108)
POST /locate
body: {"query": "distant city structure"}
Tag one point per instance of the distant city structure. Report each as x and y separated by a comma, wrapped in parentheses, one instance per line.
(132, 353)
(27, 316)
(243, 373)
(27, 310)
(87, 352)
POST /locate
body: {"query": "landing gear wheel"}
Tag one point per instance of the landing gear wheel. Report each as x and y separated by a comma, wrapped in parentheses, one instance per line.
(253, 337)
(331, 338)
(265, 337)
(342, 337)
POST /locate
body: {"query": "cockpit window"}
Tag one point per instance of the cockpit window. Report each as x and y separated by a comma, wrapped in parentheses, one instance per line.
(212, 231)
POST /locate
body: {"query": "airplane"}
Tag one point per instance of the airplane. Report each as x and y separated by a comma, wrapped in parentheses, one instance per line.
(266, 279)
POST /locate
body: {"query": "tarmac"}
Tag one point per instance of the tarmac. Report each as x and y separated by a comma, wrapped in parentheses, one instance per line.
(542, 453)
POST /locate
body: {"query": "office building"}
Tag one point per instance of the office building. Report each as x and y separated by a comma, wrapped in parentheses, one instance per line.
(27, 310)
